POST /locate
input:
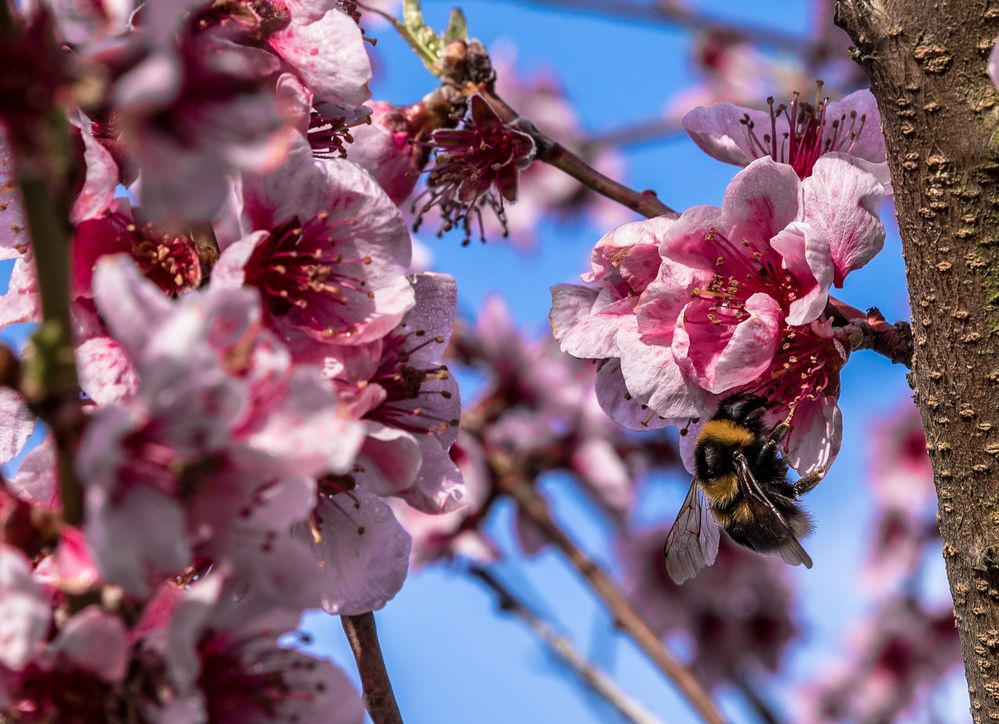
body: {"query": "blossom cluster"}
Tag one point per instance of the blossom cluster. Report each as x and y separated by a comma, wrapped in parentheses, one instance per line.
(261, 372)
(685, 311)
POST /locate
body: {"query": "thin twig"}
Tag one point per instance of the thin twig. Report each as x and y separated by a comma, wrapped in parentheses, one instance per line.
(378, 697)
(535, 508)
(756, 702)
(870, 330)
(594, 679)
(634, 134)
(40, 145)
(555, 154)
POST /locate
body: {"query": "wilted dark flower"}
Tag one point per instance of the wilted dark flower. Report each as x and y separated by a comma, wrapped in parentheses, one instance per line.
(476, 165)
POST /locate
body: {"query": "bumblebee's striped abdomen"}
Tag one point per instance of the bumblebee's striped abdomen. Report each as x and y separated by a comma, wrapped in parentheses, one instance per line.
(721, 490)
(714, 454)
(726, 433)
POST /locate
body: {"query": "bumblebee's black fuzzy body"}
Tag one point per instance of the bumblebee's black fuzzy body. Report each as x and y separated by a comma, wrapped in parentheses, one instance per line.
(739, 427)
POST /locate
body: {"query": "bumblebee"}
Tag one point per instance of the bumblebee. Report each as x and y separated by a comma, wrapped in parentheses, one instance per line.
(740, 483)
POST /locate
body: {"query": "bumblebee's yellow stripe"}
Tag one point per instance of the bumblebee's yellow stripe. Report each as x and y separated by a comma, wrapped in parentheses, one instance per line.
(721, 491)
(726, 432)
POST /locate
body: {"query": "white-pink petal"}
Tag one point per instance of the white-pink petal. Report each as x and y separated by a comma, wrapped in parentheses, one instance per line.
(842, 202)
(24, 610)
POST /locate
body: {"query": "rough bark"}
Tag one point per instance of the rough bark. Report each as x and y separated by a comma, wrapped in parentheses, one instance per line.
(927, 66)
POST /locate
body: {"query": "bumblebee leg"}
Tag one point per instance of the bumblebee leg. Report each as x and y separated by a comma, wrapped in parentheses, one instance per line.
(808, 482)
(779, 432)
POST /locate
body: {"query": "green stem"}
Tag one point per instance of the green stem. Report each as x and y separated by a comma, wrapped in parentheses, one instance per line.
(50, 383)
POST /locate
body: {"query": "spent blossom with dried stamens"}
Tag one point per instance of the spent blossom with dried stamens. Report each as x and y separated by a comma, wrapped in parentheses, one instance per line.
(475, 166)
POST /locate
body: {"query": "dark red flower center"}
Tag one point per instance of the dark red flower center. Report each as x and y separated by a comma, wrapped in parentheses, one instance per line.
(477, 165)
(811, 132)
(805, 364)
(406, 383)
(253, 677)
(300, 272)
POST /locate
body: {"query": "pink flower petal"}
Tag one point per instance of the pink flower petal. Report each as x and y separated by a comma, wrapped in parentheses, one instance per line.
(391, 459)
(654, 377)
(96, 642)
(131, 305)
(24, 611)
(327, 51)
(582, 329)
(993, 67)
(14, 237)
(101, 178)
(16, 424)
(727, 356)
(842, 202)
(760, 201)
(720, 132)
(618, 403)
(35, 481)
(106, 373)
(363, 552)
(807, 256)
(816, 435)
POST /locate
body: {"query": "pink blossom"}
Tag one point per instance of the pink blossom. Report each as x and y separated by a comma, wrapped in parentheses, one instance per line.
(169, 260)
(101, 177)
(329, 256)
(24, 610)
(325, 48)
(223, 435)
(737, 614)
(16, 424)
(213, 659)
(894, 656)
(386, 149)
(400, 382)
(197, 105)
(900, 470)
(849, 129)
(446, 534)
(14, 239)
(35, 481)
(746, 316)
(409, 404)
(902, 481)
(993, 65)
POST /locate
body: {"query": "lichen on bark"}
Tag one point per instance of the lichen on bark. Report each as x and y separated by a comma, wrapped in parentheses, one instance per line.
(940, 115)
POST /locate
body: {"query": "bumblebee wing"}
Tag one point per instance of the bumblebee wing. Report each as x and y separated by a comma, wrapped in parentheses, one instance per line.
(792, 552)
(692, 542)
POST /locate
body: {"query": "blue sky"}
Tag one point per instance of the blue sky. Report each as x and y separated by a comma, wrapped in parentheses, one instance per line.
(451, 657)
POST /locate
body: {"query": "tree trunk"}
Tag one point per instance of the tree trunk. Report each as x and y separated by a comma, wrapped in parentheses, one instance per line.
(927, 65)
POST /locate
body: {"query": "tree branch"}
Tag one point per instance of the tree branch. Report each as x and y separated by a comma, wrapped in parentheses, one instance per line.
(594, 679)
(555, 154)
(871, 331)
(634, 134)
(927, 67)
(535, 508)
(378, 696)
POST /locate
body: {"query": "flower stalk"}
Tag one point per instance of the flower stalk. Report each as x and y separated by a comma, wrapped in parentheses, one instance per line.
(535, 508)
(378, 696)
